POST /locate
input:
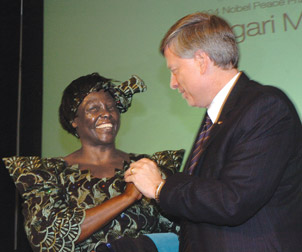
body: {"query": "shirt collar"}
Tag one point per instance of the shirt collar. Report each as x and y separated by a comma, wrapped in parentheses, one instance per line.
(218, 101)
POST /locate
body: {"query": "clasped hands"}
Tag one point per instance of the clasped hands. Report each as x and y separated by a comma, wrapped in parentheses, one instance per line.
(145, 175)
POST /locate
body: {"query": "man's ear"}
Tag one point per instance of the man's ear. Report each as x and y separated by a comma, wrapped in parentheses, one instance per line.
(202, 60)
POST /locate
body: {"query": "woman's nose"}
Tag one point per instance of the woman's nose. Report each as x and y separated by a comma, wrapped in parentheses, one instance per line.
(105, 113)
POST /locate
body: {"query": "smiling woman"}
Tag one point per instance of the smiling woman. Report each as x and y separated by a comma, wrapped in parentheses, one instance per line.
(97, 119)
(81, 202)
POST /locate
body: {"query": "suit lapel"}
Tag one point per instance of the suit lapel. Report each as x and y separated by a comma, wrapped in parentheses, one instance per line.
(227, 108)
(233, 97)
(229, 105)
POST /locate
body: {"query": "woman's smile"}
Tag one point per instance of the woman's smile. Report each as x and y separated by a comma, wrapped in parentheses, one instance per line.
(104, 125)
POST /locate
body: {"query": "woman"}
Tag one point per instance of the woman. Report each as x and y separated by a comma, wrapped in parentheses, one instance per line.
(81, 201)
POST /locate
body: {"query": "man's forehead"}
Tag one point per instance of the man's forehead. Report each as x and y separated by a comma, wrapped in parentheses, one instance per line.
(170, 57)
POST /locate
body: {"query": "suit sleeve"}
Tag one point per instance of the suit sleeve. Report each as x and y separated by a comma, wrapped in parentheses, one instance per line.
(244, 171)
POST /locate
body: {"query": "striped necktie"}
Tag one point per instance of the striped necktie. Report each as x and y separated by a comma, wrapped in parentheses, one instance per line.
(203, 136)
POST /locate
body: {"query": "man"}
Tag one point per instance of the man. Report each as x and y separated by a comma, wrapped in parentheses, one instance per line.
(244, 192)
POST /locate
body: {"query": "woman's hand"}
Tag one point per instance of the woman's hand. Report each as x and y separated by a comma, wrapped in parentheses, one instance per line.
(132, 191)
(100, 215)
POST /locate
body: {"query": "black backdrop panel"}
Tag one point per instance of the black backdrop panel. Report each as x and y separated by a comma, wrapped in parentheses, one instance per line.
(31, 104)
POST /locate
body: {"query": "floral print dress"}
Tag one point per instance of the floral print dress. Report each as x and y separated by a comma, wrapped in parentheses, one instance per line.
(56, 196)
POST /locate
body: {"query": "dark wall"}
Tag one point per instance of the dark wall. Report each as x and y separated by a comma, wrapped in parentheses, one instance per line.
(28, 76)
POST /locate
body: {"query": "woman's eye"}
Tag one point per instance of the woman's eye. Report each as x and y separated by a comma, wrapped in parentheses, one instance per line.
(111, 107)
(93, 109)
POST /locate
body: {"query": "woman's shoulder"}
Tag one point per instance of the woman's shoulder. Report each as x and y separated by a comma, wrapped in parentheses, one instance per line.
(33, 172)
(164, 154)
(32, 161)
(169, 161)
(21, 165)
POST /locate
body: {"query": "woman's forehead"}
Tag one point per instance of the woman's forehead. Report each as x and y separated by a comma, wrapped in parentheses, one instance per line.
(101, 95)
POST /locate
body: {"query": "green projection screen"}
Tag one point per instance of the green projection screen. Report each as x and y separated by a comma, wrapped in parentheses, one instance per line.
(121, 38)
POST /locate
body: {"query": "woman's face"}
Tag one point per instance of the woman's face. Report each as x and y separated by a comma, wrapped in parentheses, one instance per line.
(98, 119)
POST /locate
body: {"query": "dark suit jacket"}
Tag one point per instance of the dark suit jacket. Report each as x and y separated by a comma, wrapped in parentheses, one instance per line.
(246, 191)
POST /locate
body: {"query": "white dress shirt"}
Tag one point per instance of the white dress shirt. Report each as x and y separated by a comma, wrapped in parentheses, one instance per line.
(219, 100)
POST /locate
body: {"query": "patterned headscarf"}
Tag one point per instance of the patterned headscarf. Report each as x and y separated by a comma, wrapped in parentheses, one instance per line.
(75, 93)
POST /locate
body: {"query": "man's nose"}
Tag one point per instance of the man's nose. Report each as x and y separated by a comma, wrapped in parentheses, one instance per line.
(173, 82)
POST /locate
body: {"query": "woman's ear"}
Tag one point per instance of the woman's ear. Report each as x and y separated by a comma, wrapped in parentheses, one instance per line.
(74, 123)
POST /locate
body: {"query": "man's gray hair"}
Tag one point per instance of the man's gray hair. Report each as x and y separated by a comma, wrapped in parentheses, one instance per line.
(208, 33)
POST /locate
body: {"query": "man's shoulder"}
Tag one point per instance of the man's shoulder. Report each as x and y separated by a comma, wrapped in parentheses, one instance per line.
(249, 90)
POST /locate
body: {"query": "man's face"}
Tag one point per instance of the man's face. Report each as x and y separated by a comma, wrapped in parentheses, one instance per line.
(187, 77)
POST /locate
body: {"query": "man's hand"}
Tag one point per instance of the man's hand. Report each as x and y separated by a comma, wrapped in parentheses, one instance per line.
(145, 175)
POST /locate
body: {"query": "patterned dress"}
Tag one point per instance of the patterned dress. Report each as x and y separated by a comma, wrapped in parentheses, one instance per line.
(56, 196)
